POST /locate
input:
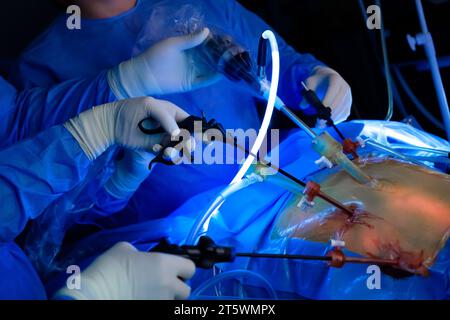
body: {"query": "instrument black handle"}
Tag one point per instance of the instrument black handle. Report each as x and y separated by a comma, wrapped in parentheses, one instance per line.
(205, 254)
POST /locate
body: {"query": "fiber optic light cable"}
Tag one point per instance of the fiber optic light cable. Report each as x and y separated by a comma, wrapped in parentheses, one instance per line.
(270, 36)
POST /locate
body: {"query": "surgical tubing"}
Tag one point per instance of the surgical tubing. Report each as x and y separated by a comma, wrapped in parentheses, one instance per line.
(379, 146)
(234, 275)
(417, 103)
(194, 234)
(395, 92)
(421, 149)
(433, 159)
(269, 35)
(387, 70)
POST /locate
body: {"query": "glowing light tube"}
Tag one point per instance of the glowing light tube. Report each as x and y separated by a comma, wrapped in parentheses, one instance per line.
(269, 35)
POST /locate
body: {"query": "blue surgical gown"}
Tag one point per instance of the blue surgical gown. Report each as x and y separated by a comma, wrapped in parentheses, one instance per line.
(18, 278)
(31, 111)
(60, 54)
(26, 113)
(33, 174)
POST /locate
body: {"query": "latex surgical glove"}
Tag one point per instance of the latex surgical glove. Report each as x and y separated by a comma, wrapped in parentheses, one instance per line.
(130, 172)
(167, 67)
(333, 90)
(124, 273)
(117, 124)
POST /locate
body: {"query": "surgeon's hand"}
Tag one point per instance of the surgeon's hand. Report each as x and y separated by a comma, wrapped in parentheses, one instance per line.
(333, 90)
(123, 273)
(165, 68)
(117, 124)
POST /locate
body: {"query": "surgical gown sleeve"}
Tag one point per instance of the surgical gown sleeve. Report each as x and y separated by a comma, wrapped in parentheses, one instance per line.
(34, 173)
(26, 113)
(105, 206)
(247, 28)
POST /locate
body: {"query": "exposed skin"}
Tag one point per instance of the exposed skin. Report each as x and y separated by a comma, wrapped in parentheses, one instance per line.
(406, 217)
(101, 9)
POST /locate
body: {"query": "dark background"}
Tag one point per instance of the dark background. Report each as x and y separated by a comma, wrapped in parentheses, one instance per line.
(333, 30)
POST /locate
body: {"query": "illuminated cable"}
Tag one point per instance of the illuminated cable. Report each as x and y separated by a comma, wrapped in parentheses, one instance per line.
(269, 35)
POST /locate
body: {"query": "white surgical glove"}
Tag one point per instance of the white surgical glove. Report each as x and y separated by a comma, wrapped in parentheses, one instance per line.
(130, 172)
(117, 124)
(123, 273)
(167, 67)
(333, 90)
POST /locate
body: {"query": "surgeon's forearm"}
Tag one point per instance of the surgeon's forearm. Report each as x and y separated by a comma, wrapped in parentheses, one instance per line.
(40, 108)
(130, 172)
(35, 173)
(107, 204)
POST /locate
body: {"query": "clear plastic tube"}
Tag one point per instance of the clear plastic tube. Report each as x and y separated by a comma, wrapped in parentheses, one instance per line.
(202, 220)
(390, 151)
(421, 149)
(397, 132)
(387, 70)
(395, 92)
(416, 159)
(236, 182)
(418, 104)
(233, 275)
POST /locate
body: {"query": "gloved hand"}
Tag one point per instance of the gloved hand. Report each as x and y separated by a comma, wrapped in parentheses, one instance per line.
(117, 124)
(334, 92)
(123, 273)
(130, 172)
(167, 67)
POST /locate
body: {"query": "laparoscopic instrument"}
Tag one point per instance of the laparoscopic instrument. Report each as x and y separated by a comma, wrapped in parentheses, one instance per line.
(206, 254)
(236, 64)
(203, 251)
(312, 190)
(189, 124)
